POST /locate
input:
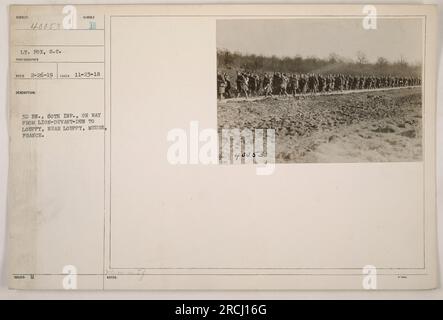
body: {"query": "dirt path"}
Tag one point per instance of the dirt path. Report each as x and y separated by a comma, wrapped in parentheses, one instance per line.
(313, 94)
(383, 125)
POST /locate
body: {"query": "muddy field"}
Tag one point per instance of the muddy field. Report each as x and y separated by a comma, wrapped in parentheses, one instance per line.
(375, 126)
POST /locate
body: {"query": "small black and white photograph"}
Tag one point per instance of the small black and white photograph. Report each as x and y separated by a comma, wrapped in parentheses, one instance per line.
(333, 90)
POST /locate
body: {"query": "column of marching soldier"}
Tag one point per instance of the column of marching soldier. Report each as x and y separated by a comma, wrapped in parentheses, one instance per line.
(252, 84)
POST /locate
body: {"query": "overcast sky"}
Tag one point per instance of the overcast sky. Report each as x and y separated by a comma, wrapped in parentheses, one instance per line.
(393, 38)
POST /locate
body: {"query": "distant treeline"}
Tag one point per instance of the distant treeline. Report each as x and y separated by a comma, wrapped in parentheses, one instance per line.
(228, 61)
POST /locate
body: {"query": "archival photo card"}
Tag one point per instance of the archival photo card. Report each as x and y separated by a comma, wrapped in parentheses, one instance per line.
(222, 147)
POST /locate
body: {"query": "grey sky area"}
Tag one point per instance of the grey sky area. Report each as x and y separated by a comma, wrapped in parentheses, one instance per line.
(394, 38)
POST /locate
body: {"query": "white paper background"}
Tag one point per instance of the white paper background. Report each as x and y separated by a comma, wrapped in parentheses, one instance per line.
(6, 294)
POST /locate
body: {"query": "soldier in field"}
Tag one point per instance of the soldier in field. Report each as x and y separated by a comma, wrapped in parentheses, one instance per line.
(267, 85)
(252, 84)
(221, 86)
(284, 80)
(293, 84)
(242, 85)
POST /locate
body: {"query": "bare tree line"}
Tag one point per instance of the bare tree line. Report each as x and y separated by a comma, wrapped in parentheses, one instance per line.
(228, 60)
